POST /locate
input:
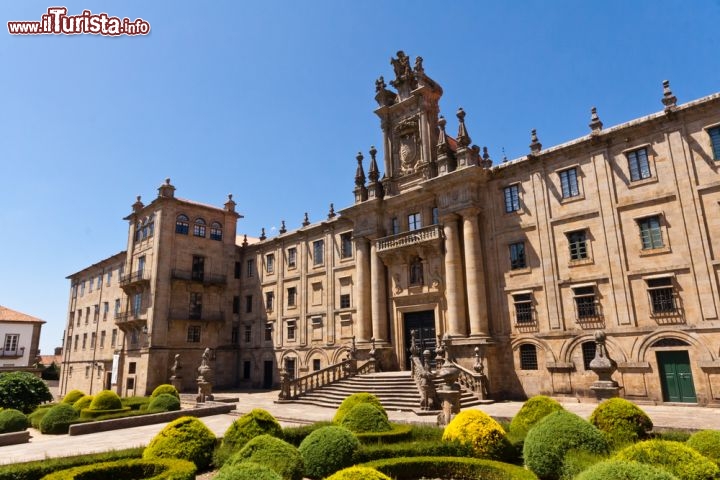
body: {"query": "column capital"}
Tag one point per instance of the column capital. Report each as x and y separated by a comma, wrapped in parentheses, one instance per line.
(471, 211)
(449, 217)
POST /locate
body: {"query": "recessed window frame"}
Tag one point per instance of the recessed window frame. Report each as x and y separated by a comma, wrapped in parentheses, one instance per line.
(414, 221)
(586, 301)
(569, 183)
(650, 228)
(527, 353)
(216, 231)
(713, 132)
(517, 255)
(292, 297)
(662, 294)
(318, 252)
(270, 263)
(639, 162)
(346, 246)
(523, 304)
(194, 334)
(511, 196)
(345, 300)
(588, 350)
(199, 227)
(578, 245)
(291, 330)
(292, 257)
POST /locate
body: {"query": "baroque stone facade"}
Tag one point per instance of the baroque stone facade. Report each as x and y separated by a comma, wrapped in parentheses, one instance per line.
(616, 231)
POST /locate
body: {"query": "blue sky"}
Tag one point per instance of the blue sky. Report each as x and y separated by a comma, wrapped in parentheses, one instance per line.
(272, 100)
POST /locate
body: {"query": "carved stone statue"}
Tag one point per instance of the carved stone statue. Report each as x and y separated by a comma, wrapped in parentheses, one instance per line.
(204, 378)
(401, 65)
(380, 84)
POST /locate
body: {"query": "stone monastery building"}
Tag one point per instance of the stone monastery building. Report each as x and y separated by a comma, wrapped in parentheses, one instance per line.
(618, 231)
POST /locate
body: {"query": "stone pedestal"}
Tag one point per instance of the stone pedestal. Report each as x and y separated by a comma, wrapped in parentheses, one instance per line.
(450, 401)
(604, 367)
(204, 392)
(176, 382)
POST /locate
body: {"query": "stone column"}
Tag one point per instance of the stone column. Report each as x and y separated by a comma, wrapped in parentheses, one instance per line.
(454, 290)
(474, 274)
(362, 289)
(378, 294)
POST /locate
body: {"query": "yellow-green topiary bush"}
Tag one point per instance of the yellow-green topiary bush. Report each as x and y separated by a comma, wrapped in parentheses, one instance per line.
(677, 458)
(106, 400)
(272, 452)
(83, 402)
(73, 396)
(478, 430)
(186, 438)
(358, 473)
(165, 388)
(366, 417)
(707, 442)
(531, 412)
(621, 421)
(136, 468)
(353, 400)
(254, 423)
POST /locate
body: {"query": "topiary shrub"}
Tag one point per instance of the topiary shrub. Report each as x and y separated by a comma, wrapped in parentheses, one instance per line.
(682, 461)
(187, 438)
(165, 388)
(106, 400)
(247, 471)
(83, 402)
(366, 417)
(37, 416)
(358, 473)
(136, 403)
(73, 396)
(576, 461)
(164, 403)
(157, 469)
(12, 420)
(552, 437)
(58, 418)
(355, 399)
(479, 431)
(449, 467)
(22, 391)
(672, 435)
(707, 442)
(397, 433)
(256, 422)
(272, 452)
(612, 469)
(295, 435)
(327, 450)
(622, 421)
(531, 412)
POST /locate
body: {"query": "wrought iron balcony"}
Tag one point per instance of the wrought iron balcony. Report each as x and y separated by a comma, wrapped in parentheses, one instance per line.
(124, 317)
(13, 353)
(414, 237)
(135, 278)
(197, 276)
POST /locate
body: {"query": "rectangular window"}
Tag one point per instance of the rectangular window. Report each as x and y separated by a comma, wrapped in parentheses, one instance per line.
(195, 306)
(69, 343)
(291, 296)
(108, 278)
(77, 341)
(247, 334)
(346, 246)
(435, 216)
(132, 368)
(269, 301)
(588, 353)
(11, 343)
(193, 334)
(517, 256)
(292, 257)
(84, 345)
(79, 317)
(638, 164)
(270, 263)
(528, 357)
(291, 326)
(523, 308)
(246, 370)
(585, 302)
(141, 266)
(113, 337)
(662, 295)
(96, 314)
(93, 339)
(316, 364)
(395, 226)
(130, 383)
(578, 245)
(117, 307)
(248, 303)
(102, 339)
(82, 288)
(345, 300)
(318, 252)
(290, 368)
(414, 221)
(106, 309)
(236, 304)
(237, 269)
(87, 315)
(90, 287)
(512, 198)
(198, 268)
(234, 334)
(650, 233)
(87, 371)
(569, 183)
(251, 268)
(715, 141)
(99, 281)
(268, 332)
(137, 304)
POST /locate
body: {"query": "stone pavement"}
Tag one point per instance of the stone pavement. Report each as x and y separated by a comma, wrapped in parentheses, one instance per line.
(45, 446)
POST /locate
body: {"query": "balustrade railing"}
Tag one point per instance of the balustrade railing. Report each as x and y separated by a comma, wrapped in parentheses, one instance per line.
(291, 389)
(475, 382)
(413, 237)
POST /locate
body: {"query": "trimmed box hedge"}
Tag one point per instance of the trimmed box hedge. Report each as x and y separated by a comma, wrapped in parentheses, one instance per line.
(133, 469)
(411, 468)
(38, 469)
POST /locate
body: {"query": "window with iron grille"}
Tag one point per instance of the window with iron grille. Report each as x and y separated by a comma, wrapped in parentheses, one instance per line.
(569, 183)
(247, 334)
(512, 198)
(588, 353)
(650, 232)
(528, 357)
(193, 334)
(662, 295)
(517, 256)
(585, 302)
(523, 308)
(345, 300)
(715, 141)
(578, 245)
(291, 327)
(638, 164)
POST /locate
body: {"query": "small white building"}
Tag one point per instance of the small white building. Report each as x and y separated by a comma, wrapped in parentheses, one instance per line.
(20, 337)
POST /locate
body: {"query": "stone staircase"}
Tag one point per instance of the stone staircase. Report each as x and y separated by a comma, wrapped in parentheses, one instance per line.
(396, 391)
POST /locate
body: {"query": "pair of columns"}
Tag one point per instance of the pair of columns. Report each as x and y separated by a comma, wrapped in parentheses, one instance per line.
(470, 283)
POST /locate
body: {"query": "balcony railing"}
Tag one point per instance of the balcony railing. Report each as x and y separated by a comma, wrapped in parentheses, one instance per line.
(135, 277)
(202, 277)
(122, 317)
(195, 314)
(14, 353)
(414, 237)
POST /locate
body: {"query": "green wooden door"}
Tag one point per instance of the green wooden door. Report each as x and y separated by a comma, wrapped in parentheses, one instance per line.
(676, 377)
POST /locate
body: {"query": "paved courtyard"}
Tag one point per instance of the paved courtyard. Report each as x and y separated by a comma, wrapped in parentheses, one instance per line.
(45, 446)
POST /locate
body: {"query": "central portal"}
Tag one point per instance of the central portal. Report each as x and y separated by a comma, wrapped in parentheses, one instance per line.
(424, 325)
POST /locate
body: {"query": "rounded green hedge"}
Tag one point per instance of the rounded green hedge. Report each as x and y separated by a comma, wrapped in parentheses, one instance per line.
(247, 471)
(397, 433)
(106, 400)
(165, 388)
(531, 412)
(327, 450)
(58, 418)
(622, 421)
(136, 469)
(679, 459)
(73, 396)
(353, 400)
(164, 403)
(366, 417)
(254, 423)
(707, 442)
(83, 402)
(611, 469)
(88, 413)
(37, 416)
(272, 452)
(552, 437)
(358, 473)
(411, 468)
(478, 430)
(187, 438)
(12, 420)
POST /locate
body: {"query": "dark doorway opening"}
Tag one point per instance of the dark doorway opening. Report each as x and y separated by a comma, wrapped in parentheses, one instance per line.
(424, 325)
(268, 374)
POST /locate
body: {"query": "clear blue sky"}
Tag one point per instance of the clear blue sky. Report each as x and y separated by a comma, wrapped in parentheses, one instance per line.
(272, 100)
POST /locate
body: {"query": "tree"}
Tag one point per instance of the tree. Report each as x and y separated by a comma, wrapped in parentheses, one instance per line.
(22, 391)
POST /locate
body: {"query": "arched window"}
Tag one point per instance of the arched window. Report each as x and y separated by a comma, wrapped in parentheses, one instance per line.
(199, 228)
(216, 231)
(416, 271)
(528, 357)
(588, 353)
(670, 342)
(182, 225)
